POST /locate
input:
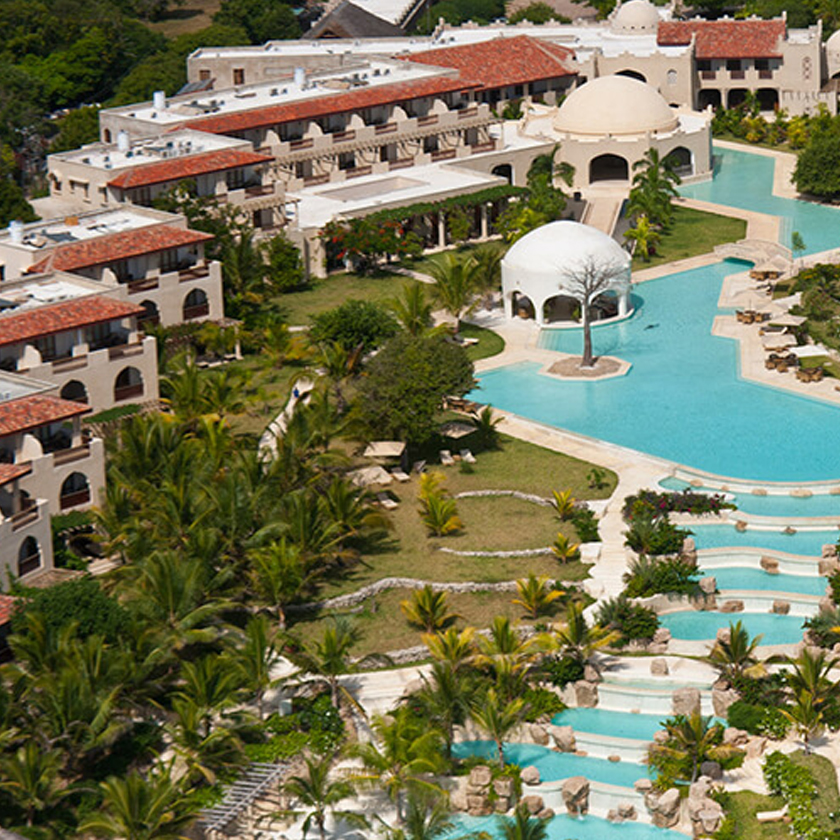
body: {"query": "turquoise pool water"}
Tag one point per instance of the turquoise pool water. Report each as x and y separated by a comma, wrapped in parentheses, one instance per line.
(564, 827)
(683, 399)
(554, 766)
(759, 580)
(693, 625)
(818, 505)
(807, 543)
(604, 722)
(746, 180)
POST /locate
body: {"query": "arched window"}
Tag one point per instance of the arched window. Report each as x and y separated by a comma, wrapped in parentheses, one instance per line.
(75, 391)
(150, 315)
(128, 384)
(632, 74)
(75, 490)
(504, 170)
(106, 135)
(29, 556)
(195, 305)
(608, 168)
(681, 159)
(672, 77)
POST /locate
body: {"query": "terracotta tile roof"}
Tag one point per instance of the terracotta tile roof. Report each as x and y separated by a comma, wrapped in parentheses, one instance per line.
(7, 608)
(186, 167)
(9, 472)
(60, 317)
(321, 106)
(38, 410)
(116, 246)
(503, 61)
(725, 38)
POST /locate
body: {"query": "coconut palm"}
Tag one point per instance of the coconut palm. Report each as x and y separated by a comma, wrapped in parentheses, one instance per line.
(810, 675)
(506, 655)
(564, 504)
(692, 739)
(457, 284)
(576, 639)
(404, 757)
(138, 808)
(254, 656)
(318, 792)
(536, 595)
(455, 648)
(522, 826)
(427, 817)
(445, 699)
(806, 716)
(735, 656)
(212, 685)
(413, 310)
(30, 777)
(498, 718)
(279, 575)
(427, 609)
(486, 427)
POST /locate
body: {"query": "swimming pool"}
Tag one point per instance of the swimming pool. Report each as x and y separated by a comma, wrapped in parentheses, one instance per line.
(683, 399)
(639, 727)
(554, 766)
(694, 625)
(823, 504)
(741, 578)
(807, 543)
(564, 827)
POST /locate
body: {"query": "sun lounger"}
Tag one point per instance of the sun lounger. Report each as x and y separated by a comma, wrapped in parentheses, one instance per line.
(446, 458)
(418, 467)
(400, 475)
(386, 501)
(771, 816)
(467, 456)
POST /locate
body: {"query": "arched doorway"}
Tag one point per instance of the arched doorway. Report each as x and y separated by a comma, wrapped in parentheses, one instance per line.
(561, 308)
(195, 305)
(736, 97)
(522, 306)
(128, 384)
(682, 161)
(632, 74)
(768, 99)
(707, 97)
(150, 315)
(75, 490)
(29, 556)
(504, 170)
(608, 168)
(74, 391)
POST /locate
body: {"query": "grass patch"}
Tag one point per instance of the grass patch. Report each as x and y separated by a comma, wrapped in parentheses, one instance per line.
(424, 264)
(301, 307)
(382, 626)
(693, 232)
(193, 16)
(763, 144)
(114, 413)
(828, 800)
(489, 343)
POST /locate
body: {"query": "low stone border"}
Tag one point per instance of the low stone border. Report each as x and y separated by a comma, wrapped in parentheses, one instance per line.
(354, 599)
(516, 494)
(523, 552)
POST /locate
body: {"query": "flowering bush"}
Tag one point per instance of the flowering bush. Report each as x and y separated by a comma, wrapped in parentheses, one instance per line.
(798, 788)
(680, 501)
(365, 242)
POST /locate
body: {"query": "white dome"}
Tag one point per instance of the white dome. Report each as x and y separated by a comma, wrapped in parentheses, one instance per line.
(614, 105)
(833, 43)
(638, 17)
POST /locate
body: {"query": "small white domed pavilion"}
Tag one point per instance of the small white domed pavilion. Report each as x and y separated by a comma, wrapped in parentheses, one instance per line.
(540, 274)
(637, 17)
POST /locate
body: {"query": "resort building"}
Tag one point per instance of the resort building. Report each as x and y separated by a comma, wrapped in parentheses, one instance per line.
(141, 256)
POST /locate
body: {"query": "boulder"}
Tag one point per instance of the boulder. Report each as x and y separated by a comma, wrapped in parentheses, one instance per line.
(665, 809)
(564, 738)
(770, 565)
(659, 667)
(826, 605)
(501, 806)
(539, 734)
(732, 606)
(575, 792)
(591, 673)
(614, 758)
(829, 550)
(780, 607)
(708, 585)
(709, 820)
(689, 546)
(758, 491)
(530, 775)
(722, 699)
(586, 694)
(712, 769)
(740, 525)
(480, 777)
(627, 811)
(733, 737)
(828, 566)
(643, 785)
(612, 816)
(458, 799)
(657, 648)
(660, 737)
(546, 814)
(533, 803)
(662, 636)
(685, 701)
(722, 635)
(503, 787)
(755, 747)
(699, 790)
(479, 805)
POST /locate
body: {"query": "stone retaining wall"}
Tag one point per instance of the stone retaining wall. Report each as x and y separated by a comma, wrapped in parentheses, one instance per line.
(525, 497)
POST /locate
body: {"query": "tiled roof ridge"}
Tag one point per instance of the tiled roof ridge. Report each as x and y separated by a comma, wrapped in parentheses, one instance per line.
(26, 413)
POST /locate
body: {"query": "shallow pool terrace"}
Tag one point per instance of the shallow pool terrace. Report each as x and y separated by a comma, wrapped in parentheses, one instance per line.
(683, 399)
(564, 827)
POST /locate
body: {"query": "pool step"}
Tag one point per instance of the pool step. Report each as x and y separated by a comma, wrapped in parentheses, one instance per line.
(647, 701)
(604, 746)
(789, 564)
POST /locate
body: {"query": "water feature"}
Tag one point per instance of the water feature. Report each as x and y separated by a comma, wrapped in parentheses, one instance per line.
(757, 580)
(605, 722)
(564, 827)
(808, 543)
(694, 625)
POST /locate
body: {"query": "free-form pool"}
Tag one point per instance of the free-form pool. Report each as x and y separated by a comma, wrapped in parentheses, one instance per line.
(638, 727)
(807, 543)
(564, 827)
(742, 578)
(554, 766)
(694, 625)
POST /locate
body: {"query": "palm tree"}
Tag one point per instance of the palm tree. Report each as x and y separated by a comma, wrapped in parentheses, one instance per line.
(644, 234)
(279, 575)
(506, 656)
(657, 180)
(255, 657)
(564, 549)
(486, 427)
(498, 718)
(427, 609)
(452, 647)
(810, 675)
(735, 657)
(522, 826)
(806, 716)
(137, 808)
(317, 792)
(577, 640)
(564, 504)
(440, 515)
(445, 699)
(692, 739)
(536, 595)
(456, 285)
(426, 818)
(30, 777)
(211, 684)
(405, 756)
(413, 310)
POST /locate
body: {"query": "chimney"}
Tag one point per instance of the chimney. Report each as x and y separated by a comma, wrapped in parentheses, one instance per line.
(159, 100)
(300, 77)
(16, 232)
(123, 144)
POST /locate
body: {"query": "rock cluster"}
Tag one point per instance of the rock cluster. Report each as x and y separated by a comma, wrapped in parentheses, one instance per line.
(484, 795)
(664, 807)
(624, 811)
(564, 738)
(770, 565)
(705, 813)
(686, 701)
(576, 796)
(586, 694)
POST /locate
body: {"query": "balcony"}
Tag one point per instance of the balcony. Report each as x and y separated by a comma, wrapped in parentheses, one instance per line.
(737, 74)
(467, 112)
(358, 171)
(122, 351)
(431, 119)
(343, 136)
(765, 74)
(443, 154)
(69, 456)
(26, 517)
(127, 392)
(146, 284)
(708, 75)
(303, 143)
(200, 310)
(257, 190)
(315, 180)
(477, 148)
(402, 163)
(387, 128)
(71, 500)
(68, 364)
(195, 272)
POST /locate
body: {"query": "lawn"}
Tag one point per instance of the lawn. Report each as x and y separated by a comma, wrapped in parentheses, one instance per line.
(300, 307)
(742, 806)
(192, 16)
(424, 263)
(693, 232)
(497, 524)
(489, 343)
(382, 626)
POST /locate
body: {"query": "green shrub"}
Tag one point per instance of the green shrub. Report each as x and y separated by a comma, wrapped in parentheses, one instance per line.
(540, 702)
(353, 323)
(834, 583)
(586, 524)
(633, 621)
(774, 724)
(797, 787)
(745, 716)
(561, 671)
(667, 576)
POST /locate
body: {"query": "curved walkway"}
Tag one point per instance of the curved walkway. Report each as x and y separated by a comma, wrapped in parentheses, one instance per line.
(268, 441)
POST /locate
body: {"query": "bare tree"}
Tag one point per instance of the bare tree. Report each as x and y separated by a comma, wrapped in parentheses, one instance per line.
(585, 280)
